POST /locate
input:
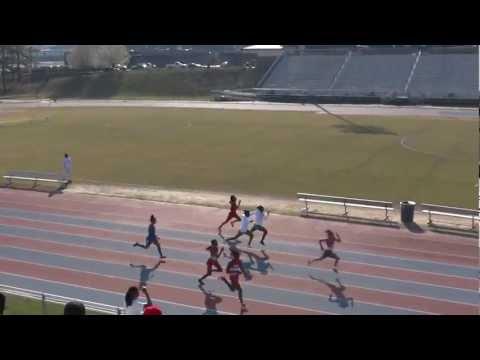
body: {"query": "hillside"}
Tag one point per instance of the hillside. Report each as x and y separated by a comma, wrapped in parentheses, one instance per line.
(170, 83)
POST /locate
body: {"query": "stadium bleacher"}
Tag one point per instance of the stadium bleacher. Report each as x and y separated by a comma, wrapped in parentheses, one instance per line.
(309, 72)
(413, 72)
(445, 74)
(378, 73)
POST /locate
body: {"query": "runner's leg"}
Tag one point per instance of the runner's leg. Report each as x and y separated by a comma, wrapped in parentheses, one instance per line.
(265, 232)
(209, 272)
(237, 219)
(157, 244)
(310, 262)
(228, 284)
(235, 237)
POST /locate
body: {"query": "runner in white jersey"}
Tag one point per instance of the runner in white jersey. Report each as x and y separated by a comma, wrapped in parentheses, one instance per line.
(260, 216)
(246, 219)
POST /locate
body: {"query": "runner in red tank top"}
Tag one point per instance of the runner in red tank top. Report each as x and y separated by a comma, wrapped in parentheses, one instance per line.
(212, 261)
(233, 212)
(234, 269)
(330, 241)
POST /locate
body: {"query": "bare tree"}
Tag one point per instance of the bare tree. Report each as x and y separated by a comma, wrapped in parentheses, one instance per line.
(14, 59)
(98, 56)
(6, 62)
(3, 60)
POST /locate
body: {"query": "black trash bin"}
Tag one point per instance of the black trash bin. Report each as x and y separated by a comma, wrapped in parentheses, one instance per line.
(408, 211)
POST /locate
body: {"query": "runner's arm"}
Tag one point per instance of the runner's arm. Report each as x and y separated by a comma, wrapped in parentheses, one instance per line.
(221, 251)
(245, 274)
(320, 243)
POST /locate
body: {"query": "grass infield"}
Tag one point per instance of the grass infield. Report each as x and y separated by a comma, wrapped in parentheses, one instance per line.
(16, 305)
(254, 152)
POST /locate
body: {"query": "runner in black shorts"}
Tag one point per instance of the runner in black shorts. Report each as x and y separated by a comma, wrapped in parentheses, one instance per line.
(328, 253)
(152, 238)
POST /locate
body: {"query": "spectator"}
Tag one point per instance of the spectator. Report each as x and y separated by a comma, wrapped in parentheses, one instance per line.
(133, 306)
(152, 310)
(2, 303)
(74, 308)
(67, 168)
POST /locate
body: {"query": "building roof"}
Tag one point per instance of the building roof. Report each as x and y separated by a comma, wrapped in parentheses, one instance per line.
(263, 47)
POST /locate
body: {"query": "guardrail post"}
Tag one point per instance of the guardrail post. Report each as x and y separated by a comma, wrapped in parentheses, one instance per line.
(430, 218)
(345, 206)
(44, 305)
(119, 311)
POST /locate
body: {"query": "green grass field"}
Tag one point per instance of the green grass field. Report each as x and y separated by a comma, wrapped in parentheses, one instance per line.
(16, 305)
(265, 153)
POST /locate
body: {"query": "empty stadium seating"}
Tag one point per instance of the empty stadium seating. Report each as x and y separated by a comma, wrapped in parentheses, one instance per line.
(445, 75)
(378, 73)
(413, 72)
(309, 71)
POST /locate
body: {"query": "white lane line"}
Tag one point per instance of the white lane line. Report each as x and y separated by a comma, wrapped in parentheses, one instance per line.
(106, 291)
(105, 213)
(279, 276)
(169, 286)
(270, 287)
(193, 233)
(242, 247)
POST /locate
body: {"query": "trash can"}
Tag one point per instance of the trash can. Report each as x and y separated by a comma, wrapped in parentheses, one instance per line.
(408, 211)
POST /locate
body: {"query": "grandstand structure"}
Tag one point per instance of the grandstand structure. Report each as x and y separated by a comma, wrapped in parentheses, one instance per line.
(379, 74)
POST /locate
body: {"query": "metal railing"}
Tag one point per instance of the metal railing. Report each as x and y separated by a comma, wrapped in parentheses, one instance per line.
(57, 299)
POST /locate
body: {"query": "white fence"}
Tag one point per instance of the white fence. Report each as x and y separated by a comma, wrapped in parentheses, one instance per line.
(56, 299)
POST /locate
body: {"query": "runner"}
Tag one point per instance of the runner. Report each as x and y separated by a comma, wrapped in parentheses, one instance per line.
(152, 238)
(243, 227)
(260, 216)
(330, 241)
(212, 261)
(233, 212)
(234, 269)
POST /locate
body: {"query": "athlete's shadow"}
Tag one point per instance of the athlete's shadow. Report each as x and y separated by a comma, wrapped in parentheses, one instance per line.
(211, 302)
(257, 263)
(146, 273)
(337, 294)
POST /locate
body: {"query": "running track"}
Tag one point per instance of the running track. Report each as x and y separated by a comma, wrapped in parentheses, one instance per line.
(81, 246)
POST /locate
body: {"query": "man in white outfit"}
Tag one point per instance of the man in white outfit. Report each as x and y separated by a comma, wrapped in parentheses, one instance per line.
(260, 216)
(246, 219)
(67, 168)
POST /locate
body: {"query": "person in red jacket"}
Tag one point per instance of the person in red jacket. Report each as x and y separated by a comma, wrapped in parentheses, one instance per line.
(212, 261)
(234, 269)
(152, 310)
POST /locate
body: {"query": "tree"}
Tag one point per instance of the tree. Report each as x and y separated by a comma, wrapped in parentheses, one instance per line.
(6, 60)
(98, 56)
(13, 59)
